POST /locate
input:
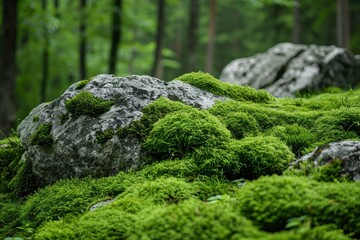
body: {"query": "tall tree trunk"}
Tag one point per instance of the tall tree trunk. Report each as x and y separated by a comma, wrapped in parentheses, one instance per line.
(8, 67)
(192, 36)
(83, 40)
(57, 6)
(211, 42)
(157, 67)
(296, 36)
(116, 34)
(45, 55)
(343, 23)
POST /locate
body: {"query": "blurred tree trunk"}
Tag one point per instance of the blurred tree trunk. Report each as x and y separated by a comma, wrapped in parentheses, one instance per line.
(45, 55)
(343, 23)
(157, 66)
(211, 42)
(56, 6)
(83, 40)
(192, 36)
(8, 67)
(296, 36)
(116, 34)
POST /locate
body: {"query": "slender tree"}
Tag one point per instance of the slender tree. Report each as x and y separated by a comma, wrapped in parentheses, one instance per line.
(296, 35)
(8, 66)
(211, 41)
(192, 36)
(116, 34)
(83, 40)
(157, 67)
(343, 23)
(45, 55)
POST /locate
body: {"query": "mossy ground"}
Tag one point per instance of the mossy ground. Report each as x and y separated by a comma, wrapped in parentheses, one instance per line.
(216, 174)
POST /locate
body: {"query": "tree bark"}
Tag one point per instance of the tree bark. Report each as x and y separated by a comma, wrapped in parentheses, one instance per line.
(296, 36)
(211, 42)
(116, 34)
(83, 40)
(192, 38)
(8, 67)
(157, 67)
(45, 56)
(343, 23)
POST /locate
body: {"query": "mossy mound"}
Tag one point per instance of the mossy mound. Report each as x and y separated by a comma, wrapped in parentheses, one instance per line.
(193, 220)
(42, 136)
(208, 83)
(248, 158)
(85, 103)
(272, 202)
(241, 124)
(180, 133)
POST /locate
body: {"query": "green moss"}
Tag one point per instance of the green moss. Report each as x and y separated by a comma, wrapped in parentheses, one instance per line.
(151, 114)
(64, 117)
(248, 158)
(296, 137)
(208, 83)
(193, 220)
(181, 132)
(271, 202)
(11, 151)
(85, 103)
(42, 136)
(9, 212)
(241, 124)
(81, 84)
(103, 137)
(36, 118)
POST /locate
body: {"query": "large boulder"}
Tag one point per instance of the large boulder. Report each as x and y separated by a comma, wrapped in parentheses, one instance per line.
(348, 152)
(287, 69)
(61, 137)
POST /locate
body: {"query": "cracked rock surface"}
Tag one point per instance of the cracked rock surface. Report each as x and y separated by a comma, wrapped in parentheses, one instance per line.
(74, 151)
(287, 69)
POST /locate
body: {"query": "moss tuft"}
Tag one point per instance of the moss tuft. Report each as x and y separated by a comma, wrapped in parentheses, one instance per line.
(85, 103)
(42, 136)
(81, 84)
(241, 124)
(208, 83)
(181, 132)
(103, 137)
(64, 117)
(36, 118)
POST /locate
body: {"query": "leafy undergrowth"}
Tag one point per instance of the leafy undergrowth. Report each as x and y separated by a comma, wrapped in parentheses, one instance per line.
(221, 173)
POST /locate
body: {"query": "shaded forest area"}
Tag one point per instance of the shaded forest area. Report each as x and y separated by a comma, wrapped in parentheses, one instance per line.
(46, 45)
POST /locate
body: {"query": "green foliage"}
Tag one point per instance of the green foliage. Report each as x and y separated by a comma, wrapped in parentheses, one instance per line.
(11, 151)
(296, 137)
(36, 118)
(241, 124)
(213, 186)
(161, 190)
(208, 83)
(85, 103)
(64, 117)
(81, 84)
(248, 158)
(272, 201)
(193, 219)
(183, 131)
(9, 212)
(151, 114)
(42, 136)
(103, 137)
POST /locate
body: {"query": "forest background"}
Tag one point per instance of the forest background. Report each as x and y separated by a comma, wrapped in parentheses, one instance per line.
(46, 45)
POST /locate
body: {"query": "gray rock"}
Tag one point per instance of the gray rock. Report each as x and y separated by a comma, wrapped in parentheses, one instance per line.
(74, 151)
(287, 69)
(347, 151)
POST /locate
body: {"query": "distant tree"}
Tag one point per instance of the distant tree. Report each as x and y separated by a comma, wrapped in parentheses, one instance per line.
(45, 54)
(116, 34)
(157, 67)
(8, 66)
(192, 36)
(211, 38)
(296, 37)
(83, 40)
(343, 23)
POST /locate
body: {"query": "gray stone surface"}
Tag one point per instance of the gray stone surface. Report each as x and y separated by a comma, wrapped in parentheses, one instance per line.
(287, 69)
(75, 151)
(348, 151)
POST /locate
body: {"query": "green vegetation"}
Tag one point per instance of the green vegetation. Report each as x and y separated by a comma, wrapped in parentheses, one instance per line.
(85, 103)
(103, 137)
(42, 136)
(81, 84)
(208, 83)
(36, 118)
